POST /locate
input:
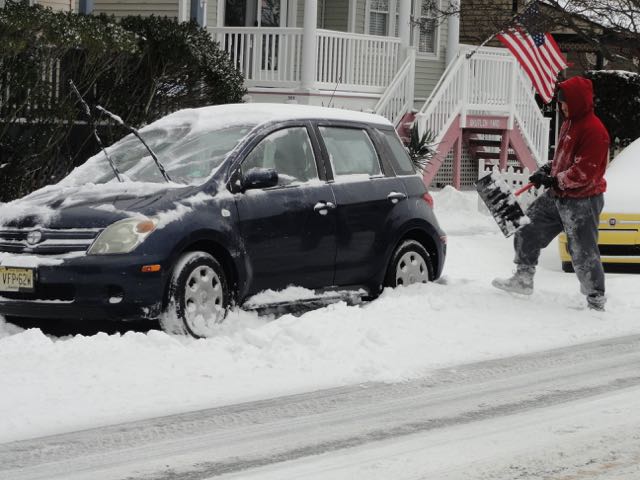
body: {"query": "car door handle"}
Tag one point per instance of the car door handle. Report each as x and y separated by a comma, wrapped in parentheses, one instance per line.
(323, 207)
(395, 197)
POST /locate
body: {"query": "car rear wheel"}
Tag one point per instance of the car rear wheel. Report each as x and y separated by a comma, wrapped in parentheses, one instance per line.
(198, 296)
(410, 263)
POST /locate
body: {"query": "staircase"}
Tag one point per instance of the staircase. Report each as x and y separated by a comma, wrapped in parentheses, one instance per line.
(485, 105)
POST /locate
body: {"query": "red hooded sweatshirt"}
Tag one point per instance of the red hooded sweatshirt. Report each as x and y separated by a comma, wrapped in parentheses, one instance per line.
(583, 146)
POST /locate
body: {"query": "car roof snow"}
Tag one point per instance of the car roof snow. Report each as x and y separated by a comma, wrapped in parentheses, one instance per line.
(220, 116)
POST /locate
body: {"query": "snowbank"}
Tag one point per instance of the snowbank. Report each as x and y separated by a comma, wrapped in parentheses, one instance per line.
(623, 194)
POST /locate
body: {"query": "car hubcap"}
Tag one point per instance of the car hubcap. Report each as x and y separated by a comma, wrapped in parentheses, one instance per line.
(411, 269)
(203, 300)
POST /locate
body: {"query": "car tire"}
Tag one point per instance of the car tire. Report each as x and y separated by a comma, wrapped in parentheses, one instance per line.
(198, 296)
(410, 263)
(567, 267)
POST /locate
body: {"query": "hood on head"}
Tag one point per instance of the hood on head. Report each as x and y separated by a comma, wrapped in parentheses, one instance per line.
(578, 93)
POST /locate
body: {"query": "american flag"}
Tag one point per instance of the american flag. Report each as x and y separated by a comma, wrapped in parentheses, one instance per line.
(537, 52)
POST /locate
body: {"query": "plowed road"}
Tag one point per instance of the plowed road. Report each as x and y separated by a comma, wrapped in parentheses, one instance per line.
(571, 413)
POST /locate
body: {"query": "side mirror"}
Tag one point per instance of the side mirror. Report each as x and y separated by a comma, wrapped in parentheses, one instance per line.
(260, 178)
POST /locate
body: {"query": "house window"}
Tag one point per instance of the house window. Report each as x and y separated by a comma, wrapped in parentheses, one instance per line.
(85, 6)
(427, 29)
(378, 17)
(198, 12)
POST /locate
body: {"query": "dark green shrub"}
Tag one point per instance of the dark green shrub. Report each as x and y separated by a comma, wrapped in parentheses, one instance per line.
(617, 103)
(139, 68)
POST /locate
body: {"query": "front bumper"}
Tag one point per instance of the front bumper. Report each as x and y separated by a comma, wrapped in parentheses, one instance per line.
(89, 288)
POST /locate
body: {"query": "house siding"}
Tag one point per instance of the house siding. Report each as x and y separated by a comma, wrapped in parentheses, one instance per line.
(63, 5)
(122, 8)
(480, 19)
(430, 69)
(361, 9)
(212, 13)
(300, 14)
(336, 15)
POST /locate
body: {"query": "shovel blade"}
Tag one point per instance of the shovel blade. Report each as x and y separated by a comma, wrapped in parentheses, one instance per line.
(502, 203)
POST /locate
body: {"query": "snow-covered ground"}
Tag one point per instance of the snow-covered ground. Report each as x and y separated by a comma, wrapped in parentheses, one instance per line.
(51, 385)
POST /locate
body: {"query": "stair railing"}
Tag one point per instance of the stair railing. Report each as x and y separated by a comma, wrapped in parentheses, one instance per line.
(533, 125)
(445, 101)
(398, 97)
(489, 83)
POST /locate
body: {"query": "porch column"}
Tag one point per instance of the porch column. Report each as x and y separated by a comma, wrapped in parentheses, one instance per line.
(353, 11)
(309, 43)
(404, 25)
(184, 10)
(453, 35)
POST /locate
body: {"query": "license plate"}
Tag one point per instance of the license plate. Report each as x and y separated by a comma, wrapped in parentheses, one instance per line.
(16, 279)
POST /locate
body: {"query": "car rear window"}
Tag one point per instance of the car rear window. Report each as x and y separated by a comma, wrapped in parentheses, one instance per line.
(402, 163)
(351, 151)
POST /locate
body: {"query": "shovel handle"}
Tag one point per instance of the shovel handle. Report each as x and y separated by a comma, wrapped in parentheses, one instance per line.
(528, 186)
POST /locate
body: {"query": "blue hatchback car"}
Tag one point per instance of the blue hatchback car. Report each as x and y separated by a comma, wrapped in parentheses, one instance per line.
(255, 197)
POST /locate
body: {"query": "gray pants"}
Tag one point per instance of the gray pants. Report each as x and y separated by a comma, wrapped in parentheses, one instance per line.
(578, 218)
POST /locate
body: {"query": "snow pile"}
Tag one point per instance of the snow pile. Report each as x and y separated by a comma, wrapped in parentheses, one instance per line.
(623, 194)
(406, 333)
(462, 213)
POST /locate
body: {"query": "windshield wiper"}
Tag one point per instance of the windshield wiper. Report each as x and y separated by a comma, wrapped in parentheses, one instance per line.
(92, 126)
(131, 129)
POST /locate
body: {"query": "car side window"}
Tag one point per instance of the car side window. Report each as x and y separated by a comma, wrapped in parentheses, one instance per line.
(351, 151)
(402, 163)
(289, 152)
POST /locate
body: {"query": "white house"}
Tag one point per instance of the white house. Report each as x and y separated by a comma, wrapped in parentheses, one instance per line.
(385, 56)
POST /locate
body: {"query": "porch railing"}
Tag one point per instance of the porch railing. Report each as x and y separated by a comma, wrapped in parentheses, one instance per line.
(273, 57)
(265, 56)
(365, 62)
(491, 83)
(399, 96)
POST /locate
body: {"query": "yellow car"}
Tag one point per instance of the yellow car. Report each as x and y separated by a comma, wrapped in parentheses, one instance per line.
(619, 230)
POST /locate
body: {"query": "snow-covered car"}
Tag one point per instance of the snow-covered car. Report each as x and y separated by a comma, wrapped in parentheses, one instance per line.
(619, 230)
(255, 197)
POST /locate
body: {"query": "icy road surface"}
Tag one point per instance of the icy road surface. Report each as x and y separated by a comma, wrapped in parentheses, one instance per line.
(568, 413)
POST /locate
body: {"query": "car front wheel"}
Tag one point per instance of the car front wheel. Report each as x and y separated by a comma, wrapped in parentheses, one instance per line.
(410, 263)
(198, 296)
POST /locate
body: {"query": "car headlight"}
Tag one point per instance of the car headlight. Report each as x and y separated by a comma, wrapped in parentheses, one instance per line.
(122, 236)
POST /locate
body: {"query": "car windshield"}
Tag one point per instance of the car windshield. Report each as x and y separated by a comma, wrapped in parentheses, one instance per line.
(189, 157)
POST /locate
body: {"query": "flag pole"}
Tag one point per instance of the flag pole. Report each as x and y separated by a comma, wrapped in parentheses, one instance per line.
(475, 50)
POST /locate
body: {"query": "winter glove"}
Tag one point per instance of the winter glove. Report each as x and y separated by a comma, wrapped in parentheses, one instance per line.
(541, 178)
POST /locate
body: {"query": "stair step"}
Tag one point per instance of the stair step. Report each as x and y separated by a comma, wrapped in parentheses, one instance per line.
(481, 142)
(495, 155)
(489, 131)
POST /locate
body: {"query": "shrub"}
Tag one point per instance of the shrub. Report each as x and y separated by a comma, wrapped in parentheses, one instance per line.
(139, 68)
(617, 103)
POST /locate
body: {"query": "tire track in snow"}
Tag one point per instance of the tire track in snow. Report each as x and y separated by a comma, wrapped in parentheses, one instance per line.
(238, 437)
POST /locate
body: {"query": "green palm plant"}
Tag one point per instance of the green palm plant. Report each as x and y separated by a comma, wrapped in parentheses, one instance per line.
(422, 148)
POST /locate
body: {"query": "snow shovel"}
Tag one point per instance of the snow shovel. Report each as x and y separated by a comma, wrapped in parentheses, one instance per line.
(502, 203)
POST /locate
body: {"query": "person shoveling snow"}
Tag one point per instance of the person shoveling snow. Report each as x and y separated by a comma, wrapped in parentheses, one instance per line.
(573, 200)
